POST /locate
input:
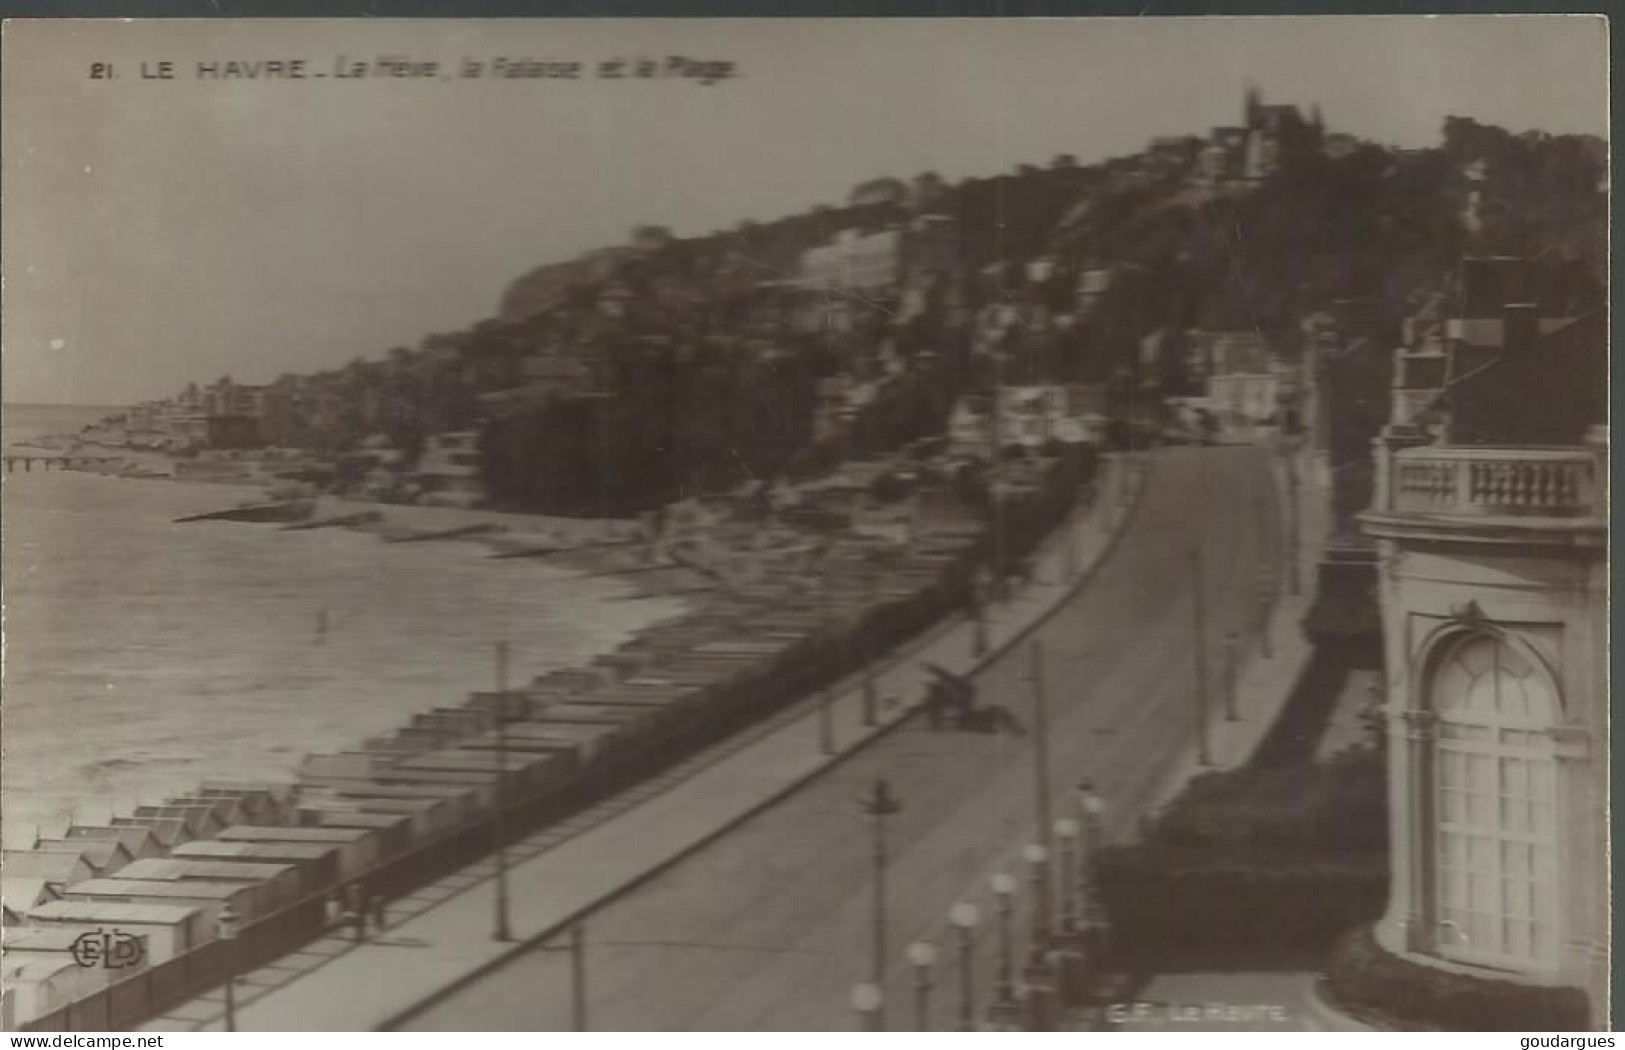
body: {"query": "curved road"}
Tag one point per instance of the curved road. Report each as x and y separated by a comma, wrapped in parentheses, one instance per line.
(768, 927)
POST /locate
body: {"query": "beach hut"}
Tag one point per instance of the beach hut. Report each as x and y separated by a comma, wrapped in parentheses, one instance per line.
(461, 800)
(21, 893)
(480, 786)
(47, 944)
(227, 809)
(43, 982)
(430, 816)
(359, 848)
(208, 897)
(104, 856)
(316, 862)
(169, 831)
(261, 802)
(273, 886)
(58, 869)
(171, 929)
(582, 742)
(200, 821)
(537, 765)
(394, 829)
(461, 762)
(139, 842)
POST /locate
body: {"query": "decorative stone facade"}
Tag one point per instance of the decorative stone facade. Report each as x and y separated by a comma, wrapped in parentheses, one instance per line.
(1493, 587)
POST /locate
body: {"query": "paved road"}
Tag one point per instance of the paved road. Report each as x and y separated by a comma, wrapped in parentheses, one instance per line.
(768, 927)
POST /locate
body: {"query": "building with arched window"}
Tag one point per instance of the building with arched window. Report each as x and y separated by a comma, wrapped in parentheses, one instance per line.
(1493, 585)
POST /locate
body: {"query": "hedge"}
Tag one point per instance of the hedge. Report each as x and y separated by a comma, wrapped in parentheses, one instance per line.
(1335, 807)
(1391, 991)
(1272, 859)
(1165, 899)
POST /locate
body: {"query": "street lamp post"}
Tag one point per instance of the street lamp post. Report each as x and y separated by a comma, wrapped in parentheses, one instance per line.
(871, 694)
(1039, 975)
(923, 956)
(1066, 843)
(228, 920)
(871, 688)
(1037, 855)
(826, 701)
(1071, 541)
(1070, 955)
(1037, 858)
(578, 977)
(1092, 920)
(868, 1001)
(500, 929)
(1005, 1010)
(1232, 664)
(1204, 753)
(1266, 599)
(964, 917)
(879, 804)
(1292, 568)
(826, 723)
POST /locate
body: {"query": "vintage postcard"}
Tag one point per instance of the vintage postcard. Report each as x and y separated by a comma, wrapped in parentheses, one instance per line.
(987, 524)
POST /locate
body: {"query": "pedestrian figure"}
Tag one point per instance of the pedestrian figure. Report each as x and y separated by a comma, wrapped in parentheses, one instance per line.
(333, 911)
(380, 918)
(355, 912)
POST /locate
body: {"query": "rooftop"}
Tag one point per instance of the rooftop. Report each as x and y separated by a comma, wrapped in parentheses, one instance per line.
(112, 912)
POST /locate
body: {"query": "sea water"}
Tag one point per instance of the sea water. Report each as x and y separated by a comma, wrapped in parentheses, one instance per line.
(143, 656)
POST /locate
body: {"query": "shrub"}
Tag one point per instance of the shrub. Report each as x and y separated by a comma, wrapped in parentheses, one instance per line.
(1365, 979)
(1164, 899)
(1337, 806)
(1285, 858)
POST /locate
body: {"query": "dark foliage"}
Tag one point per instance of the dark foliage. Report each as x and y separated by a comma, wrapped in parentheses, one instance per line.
(1396, 992)
(1253, 859)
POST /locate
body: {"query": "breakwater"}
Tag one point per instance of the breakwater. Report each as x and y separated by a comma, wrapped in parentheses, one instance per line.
(406, 807)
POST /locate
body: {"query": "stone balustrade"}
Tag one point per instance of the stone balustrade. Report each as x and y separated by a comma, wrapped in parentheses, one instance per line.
(1482, 481)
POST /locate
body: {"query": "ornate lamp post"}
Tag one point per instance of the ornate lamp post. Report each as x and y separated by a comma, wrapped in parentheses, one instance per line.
(1092, 918)
(879, 804)
(964, 917)
(1066, 848)
(868, 1000)
(922, 955)
(1071, 958)
(1037, 858)
(1039, 974)
(1005, 1011)
(228, 920)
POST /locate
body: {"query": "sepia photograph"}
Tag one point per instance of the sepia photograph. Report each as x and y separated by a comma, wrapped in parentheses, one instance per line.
(997, 524)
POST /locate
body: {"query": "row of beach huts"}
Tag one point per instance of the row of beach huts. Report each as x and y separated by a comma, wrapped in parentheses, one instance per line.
(405, 808)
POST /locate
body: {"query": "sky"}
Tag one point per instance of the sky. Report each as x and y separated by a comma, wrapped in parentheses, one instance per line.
(159, 231)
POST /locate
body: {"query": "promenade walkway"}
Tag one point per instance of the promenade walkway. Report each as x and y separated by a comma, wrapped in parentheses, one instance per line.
(440, 936)
(1264, 680)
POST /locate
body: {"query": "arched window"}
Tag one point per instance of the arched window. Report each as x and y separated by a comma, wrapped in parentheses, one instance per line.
(1493, 777)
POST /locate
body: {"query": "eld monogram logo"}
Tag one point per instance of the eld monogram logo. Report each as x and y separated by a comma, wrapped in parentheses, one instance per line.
(113, 951)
